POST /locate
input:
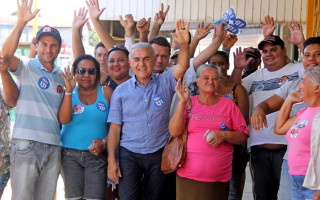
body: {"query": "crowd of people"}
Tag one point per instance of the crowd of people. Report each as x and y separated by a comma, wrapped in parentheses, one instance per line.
(103, 122)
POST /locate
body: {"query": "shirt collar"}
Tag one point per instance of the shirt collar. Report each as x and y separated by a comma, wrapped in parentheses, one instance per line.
(135, 82)
(40, 66)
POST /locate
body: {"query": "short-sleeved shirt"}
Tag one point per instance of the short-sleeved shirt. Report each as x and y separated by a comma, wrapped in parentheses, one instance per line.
(41, 94)
(143, 112)
(5, 137)
(261, 85)
(204, 162)
(298, 137)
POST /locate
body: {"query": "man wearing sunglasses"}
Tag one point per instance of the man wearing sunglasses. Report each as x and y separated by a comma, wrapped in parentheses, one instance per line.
(35, 152)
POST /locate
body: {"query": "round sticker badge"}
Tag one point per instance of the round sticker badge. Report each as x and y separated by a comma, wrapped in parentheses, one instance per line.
(101, 106)
(78, 109)
(43, 83)
(158, 100)
(59, 89)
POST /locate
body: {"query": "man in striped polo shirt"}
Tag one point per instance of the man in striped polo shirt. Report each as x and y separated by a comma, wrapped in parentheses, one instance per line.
(35, 152)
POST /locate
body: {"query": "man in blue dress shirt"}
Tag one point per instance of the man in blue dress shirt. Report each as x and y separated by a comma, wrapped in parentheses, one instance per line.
(139, 117)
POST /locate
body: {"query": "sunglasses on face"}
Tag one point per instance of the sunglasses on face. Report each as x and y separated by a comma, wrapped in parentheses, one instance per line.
(81, 71)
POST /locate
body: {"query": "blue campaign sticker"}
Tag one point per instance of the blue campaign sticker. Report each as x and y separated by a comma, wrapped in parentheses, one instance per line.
(218, 21)
(259, 87)
(44, 83)
(158, 100)
(231, 14)
(240, 23)
(225, 17)
(101, 106)
(233, 28)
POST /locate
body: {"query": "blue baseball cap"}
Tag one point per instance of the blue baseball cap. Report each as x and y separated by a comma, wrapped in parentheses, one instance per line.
(48, 30)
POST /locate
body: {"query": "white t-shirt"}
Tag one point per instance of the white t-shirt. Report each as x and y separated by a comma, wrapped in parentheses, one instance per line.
(261, 85)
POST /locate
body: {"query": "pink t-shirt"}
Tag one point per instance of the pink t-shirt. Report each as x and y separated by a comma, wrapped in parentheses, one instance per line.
(204, 162)
(298, 137)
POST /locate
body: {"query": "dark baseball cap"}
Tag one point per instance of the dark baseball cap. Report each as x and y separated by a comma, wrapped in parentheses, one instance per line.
(48, 30)
(271, 39)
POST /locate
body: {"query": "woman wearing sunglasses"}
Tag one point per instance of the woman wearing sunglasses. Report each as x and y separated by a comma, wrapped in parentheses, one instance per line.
(83, 115)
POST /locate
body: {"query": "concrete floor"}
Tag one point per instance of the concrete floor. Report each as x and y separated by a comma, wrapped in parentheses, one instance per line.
(247, 193)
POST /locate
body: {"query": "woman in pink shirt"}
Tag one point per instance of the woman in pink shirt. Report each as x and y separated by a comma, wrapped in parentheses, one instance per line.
(207, 169)
(298, 131)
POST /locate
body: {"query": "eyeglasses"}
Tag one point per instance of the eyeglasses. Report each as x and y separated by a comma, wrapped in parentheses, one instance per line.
(82, 71)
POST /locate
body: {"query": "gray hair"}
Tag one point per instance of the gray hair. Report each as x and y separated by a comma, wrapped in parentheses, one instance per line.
(314, 74)
(142, 45)
(207, 66)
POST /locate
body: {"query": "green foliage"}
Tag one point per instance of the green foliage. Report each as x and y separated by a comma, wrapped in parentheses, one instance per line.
(93, 38)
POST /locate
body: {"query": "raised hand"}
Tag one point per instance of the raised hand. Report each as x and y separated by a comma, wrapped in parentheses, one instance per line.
(182, 92)
(143, 25)
(160, 16)
(24, 11)
(240, 60)
(181, 36)
(68, 78)
(229, 41)
(127, 23)
(297, 37)
(79, 19)
(94, 10)
(268, 26)
(202, 31)
(219, 33)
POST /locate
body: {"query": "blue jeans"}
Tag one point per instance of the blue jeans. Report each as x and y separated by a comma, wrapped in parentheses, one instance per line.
(140, 170)
(239, 164)
(285, 182)
(84, 174)
(298, 191)
(34, 169)
(265, 166)
(4, 180)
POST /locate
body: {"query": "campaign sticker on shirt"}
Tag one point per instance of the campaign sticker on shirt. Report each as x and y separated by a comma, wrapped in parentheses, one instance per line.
(78, 109)
(158, 100)
(44, 83)
(59, 89)
(259, 87)
(303, 124)
(283, 80)
(101, 106)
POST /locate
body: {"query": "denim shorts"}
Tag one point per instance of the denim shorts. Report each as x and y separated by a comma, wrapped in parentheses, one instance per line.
(84, 174)
(34, 169)
(4, 180)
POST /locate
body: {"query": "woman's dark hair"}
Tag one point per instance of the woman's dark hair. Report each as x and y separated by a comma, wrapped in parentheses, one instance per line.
(224, 55)
(87, 57)
(119, 48)
(311, 40)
